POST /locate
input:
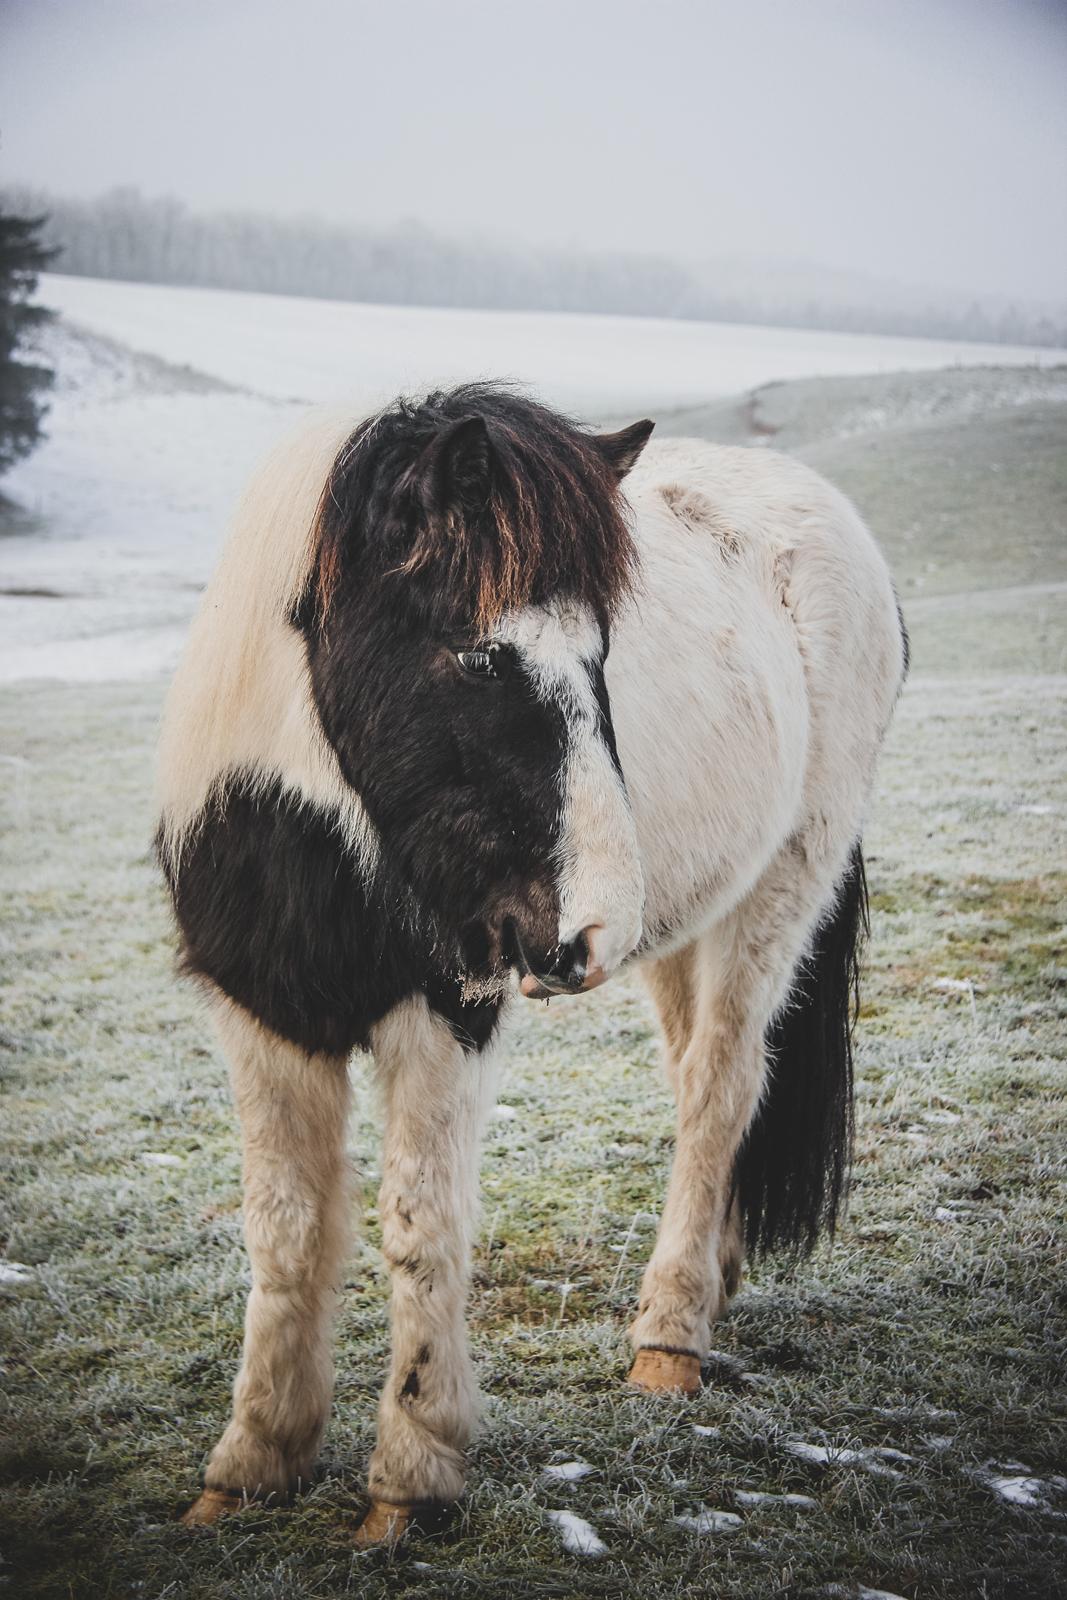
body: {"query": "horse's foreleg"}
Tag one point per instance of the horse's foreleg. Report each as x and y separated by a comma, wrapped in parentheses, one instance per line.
(293, 1109)
(435, 1099)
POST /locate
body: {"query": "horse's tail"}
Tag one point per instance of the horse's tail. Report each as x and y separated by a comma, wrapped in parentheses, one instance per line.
(793, 1164)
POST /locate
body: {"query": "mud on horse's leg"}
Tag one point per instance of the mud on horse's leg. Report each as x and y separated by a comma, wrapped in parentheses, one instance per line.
(436, 1096)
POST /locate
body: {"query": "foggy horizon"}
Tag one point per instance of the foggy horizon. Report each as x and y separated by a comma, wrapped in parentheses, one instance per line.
(925, 150)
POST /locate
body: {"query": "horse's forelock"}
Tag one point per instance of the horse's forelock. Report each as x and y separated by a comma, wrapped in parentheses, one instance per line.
(541, 516)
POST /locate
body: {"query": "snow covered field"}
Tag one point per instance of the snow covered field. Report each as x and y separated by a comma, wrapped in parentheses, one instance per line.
(166, 398)
(322, 350)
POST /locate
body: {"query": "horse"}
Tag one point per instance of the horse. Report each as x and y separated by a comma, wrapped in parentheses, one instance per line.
(481, 704)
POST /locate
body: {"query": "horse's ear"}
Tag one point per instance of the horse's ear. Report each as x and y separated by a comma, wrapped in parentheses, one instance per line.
(620, 450)
(455, 466)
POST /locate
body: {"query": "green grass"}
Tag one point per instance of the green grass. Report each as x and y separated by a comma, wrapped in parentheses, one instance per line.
(935, 1325)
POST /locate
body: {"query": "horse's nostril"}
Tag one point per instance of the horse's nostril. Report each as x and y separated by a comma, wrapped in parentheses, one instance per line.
(571, 963)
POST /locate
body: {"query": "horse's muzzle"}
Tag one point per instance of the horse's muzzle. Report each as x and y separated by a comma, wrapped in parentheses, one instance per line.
(573, 968)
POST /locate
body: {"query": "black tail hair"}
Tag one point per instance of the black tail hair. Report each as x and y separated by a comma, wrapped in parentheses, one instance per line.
(793, 1165)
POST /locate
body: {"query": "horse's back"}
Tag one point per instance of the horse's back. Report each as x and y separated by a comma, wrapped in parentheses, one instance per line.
(752, 679)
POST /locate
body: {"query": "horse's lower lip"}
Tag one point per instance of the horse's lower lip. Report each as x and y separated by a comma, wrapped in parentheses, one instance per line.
(535, 988)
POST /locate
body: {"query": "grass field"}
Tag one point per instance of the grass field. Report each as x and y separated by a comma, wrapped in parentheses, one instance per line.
(923, 1355)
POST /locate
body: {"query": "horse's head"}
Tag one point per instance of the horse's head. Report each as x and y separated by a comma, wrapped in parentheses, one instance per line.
(469, 554)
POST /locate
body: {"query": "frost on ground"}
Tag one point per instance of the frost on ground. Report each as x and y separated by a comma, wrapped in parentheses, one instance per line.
(578, 1536)
(941, 1341)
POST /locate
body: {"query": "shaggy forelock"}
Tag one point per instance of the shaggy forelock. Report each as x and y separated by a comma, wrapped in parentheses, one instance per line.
(543, 520)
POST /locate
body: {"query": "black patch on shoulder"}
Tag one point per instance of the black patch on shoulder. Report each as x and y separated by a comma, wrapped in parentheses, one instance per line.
(275, 912)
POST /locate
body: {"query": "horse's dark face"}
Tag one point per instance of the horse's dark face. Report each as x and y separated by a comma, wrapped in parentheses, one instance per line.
(483, 751)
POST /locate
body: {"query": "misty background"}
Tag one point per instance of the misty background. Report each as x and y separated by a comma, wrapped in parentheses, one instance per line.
(875, 167)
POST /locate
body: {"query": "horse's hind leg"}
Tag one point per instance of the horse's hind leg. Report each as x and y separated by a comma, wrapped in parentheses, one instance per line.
(716, 999)
(293, 1110)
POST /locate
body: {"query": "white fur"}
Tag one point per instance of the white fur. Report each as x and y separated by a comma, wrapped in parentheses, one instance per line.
(599, 870)
(752, 677)
(241, 697)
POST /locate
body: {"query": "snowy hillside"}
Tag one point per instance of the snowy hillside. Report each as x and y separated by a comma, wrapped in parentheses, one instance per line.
(327, 350)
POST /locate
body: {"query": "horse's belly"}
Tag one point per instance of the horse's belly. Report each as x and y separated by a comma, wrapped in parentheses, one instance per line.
(711, 719)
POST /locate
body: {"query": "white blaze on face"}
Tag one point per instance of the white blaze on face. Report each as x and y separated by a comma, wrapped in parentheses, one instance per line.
(600, 884)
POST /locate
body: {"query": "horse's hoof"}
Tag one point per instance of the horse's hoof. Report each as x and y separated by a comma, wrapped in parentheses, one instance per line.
(385, 1523)
(665, 1372)
(210, 1506)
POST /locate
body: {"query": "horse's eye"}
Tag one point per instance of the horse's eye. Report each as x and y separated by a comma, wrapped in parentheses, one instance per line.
(479, 663)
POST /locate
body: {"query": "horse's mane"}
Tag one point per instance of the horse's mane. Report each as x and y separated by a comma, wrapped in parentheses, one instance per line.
(488, 500)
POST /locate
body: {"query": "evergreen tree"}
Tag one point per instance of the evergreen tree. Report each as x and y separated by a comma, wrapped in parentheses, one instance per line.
(22, 257)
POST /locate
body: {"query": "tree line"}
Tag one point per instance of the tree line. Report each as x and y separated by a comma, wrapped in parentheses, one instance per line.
(124, 234)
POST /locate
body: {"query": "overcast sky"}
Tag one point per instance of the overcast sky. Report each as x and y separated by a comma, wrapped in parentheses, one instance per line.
(920, 140)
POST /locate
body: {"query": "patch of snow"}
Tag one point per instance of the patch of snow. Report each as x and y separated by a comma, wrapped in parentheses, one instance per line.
(15, 1272)
(946, 1118)
(879, 1459)
(579, 1536)
(160, 1158)
(568, 1471)
(860, 1591)
(123, 509)
(708, 1521)
(1036, 811)
(504, 1112)
(1019, 1489)
(755, 1497)
(957, 985)
(705, 1432)
(907, 1413)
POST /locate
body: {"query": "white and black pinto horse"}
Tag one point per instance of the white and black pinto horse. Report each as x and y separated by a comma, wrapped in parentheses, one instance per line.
(402, 777)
